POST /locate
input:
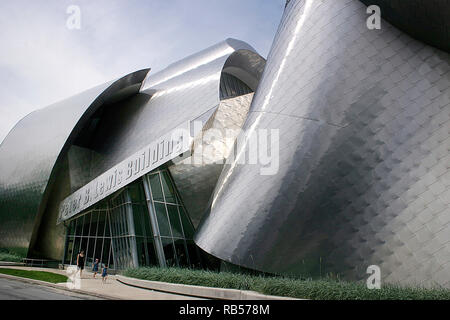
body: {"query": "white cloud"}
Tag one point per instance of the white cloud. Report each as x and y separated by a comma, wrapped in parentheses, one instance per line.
(41, 61)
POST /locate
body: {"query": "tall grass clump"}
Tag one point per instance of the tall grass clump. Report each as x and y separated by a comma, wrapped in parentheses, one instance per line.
(327, 288)
(11, 255)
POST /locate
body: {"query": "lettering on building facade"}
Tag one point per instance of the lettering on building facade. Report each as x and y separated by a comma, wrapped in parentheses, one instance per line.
(158, 152)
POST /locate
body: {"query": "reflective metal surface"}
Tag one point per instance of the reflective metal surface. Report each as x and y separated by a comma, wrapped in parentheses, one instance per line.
(29, 155)
(196, 176)
(55, 151)
(188, 90)
(168, 147)
(364, 175)
(425, 20)
(183, 92)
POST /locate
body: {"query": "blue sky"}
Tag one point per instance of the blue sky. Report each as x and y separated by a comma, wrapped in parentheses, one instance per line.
(42, 61)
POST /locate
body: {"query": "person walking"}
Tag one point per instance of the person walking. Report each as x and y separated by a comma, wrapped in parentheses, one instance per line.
(95, 267)
(80, 262)
(104, 273)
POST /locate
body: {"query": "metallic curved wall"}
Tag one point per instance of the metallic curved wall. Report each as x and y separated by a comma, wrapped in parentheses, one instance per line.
(425, 20)
(188, 90)
(29, 155)
(185, 91)
(364, 175)
(197, 176)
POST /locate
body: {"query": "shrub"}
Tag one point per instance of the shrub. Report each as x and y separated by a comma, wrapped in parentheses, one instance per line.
(323, 289)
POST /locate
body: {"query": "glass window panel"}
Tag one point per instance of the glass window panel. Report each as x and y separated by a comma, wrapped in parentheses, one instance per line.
(102, 206)
(107, 227)
(111, 261)
(79, 227)
(163, 223)
(114, 226)
(116, 248)
(126, 227)
(101, 223)
(168, 188)
(115, 223)
(138, 220)
(141, 251)
(109, 224)
(71, 228)
(152, 257)
(174, 221)
(168, 252)
(187, 224)
(106, 249)
(76, 250)
(180, 248)
(130, 251)
(119, 221)
(69, 250)
(123, 222)
(136, 193)
(87, 223)
(155, 185)
(83, 245)
(119, 252)
(124, 252)
(94, 220)
(90, 252)
(98, 249)
(145, 222)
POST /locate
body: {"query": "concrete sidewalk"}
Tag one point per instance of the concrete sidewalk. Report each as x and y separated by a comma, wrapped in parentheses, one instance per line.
(112, 289)
(199, 291)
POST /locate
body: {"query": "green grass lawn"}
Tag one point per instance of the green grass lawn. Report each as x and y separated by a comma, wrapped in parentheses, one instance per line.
(325, 289)
(37, 275)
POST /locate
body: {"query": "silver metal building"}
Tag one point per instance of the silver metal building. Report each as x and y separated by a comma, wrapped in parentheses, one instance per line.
(362, 161)
(96, 172)
(364, 153)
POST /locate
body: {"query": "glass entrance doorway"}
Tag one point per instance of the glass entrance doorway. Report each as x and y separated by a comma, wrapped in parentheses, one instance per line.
(143, 224)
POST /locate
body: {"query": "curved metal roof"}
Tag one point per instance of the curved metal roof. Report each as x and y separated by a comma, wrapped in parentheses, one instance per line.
(32, 155)
(29, 154)
(182, 92)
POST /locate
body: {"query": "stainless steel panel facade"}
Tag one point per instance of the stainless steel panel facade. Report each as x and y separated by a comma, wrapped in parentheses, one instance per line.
(76, 140)
(364, 177)
(197, 176)
(29, 155)
(180, 93)
(425, 20)
(188, 90)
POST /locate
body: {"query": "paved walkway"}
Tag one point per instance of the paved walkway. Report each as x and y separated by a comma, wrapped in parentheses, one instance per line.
(112, 288)
(18, 290)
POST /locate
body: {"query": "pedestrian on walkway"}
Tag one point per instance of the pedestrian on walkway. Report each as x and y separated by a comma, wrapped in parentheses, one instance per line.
(80, 262)
(95, 267)
(104, 273)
